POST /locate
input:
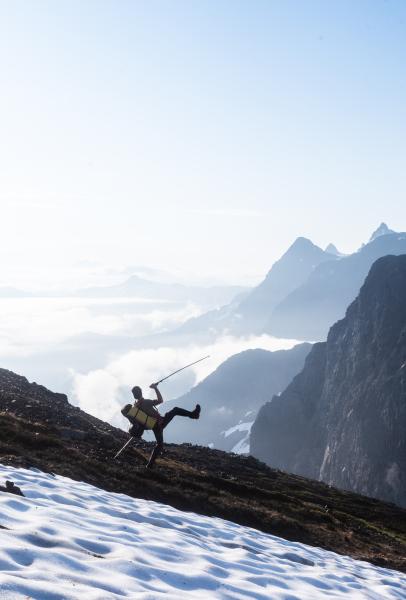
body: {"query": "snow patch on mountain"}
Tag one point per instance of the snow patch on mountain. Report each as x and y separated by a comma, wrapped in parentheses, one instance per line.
(68, 540)
(243, 444)
(239, 427)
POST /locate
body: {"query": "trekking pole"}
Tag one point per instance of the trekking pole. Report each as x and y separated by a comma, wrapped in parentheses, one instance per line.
(179, 370)
(128, 442)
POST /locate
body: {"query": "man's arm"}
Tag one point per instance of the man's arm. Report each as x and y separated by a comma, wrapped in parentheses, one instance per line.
(159, 400)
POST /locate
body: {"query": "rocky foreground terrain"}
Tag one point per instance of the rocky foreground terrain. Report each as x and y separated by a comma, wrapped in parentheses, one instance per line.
(41, 429)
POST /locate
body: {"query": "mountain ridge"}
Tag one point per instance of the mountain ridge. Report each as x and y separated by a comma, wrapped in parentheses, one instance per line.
(343, 418)
(312, 308)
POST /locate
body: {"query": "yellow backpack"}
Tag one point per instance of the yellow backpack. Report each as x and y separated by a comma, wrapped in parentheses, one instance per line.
(135, 414)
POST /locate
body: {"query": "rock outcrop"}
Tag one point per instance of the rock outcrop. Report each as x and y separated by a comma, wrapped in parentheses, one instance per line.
(38, 404)
(343, 418)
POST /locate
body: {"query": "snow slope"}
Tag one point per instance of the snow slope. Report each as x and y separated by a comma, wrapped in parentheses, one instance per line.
(69, 540)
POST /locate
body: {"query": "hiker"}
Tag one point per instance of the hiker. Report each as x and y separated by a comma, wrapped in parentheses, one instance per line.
(148, 407)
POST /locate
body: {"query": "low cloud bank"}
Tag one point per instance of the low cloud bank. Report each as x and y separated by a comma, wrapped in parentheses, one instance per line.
(103, 392)
(32, 325)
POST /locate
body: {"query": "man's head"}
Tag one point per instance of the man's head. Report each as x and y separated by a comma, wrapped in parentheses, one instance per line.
(137, 392)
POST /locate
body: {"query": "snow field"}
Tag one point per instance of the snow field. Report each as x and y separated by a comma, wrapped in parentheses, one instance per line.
(69, 540)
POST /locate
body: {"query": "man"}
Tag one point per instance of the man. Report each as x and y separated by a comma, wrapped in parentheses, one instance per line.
(148, 407)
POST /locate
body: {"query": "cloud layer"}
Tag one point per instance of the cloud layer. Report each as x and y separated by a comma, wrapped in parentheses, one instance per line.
(31, 325)
(102, 392)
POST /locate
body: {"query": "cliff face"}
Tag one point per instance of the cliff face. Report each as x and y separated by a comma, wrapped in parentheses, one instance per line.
(343, 418)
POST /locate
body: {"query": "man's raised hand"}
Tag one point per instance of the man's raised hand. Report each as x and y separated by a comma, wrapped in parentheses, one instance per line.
(153, 386)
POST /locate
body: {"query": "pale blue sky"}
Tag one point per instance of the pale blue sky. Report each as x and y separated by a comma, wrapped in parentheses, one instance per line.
(197, 136)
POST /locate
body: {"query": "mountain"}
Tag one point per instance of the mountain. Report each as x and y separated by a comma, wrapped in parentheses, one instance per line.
(138, 287)
(302, 295)
(343, 418)
(250, 313)
(332, 249)
(231, 396)
(310, 310)
(42, 432)
(383, 229)
(289, 272)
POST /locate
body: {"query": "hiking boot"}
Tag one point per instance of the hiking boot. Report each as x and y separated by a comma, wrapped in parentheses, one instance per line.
(195, 414)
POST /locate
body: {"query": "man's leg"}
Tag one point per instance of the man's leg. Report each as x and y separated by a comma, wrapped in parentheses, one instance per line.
(180, 412)
(158, 429)
(158, 446)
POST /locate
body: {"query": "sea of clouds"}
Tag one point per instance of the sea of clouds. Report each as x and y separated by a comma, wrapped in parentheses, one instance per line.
(84, 347)
(102, 392)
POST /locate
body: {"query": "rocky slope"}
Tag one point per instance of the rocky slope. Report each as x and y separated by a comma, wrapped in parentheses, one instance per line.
(232, 395)
(51, 435)
(343, 418)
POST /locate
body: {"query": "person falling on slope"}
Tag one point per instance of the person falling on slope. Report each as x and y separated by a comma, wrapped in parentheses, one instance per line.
(148, 407)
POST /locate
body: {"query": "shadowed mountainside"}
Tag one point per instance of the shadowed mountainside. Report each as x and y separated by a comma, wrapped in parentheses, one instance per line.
(42, 430)
(232, 395)
(343, 418)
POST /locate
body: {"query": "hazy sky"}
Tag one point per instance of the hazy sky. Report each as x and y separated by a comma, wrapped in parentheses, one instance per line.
(196, 136)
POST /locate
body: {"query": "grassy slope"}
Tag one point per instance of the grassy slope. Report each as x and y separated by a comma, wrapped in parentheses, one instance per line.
(217, 484)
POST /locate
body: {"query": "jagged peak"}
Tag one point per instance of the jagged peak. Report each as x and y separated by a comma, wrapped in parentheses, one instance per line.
(302, 243)
(383, 229)
(332, 249)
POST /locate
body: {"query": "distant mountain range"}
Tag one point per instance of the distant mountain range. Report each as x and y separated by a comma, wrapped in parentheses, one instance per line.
(138, 287)
(304, 293)
(231, 396)
(11, 292)
(343, 418)
(143, 288)
(250, 314)
(310, 310)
